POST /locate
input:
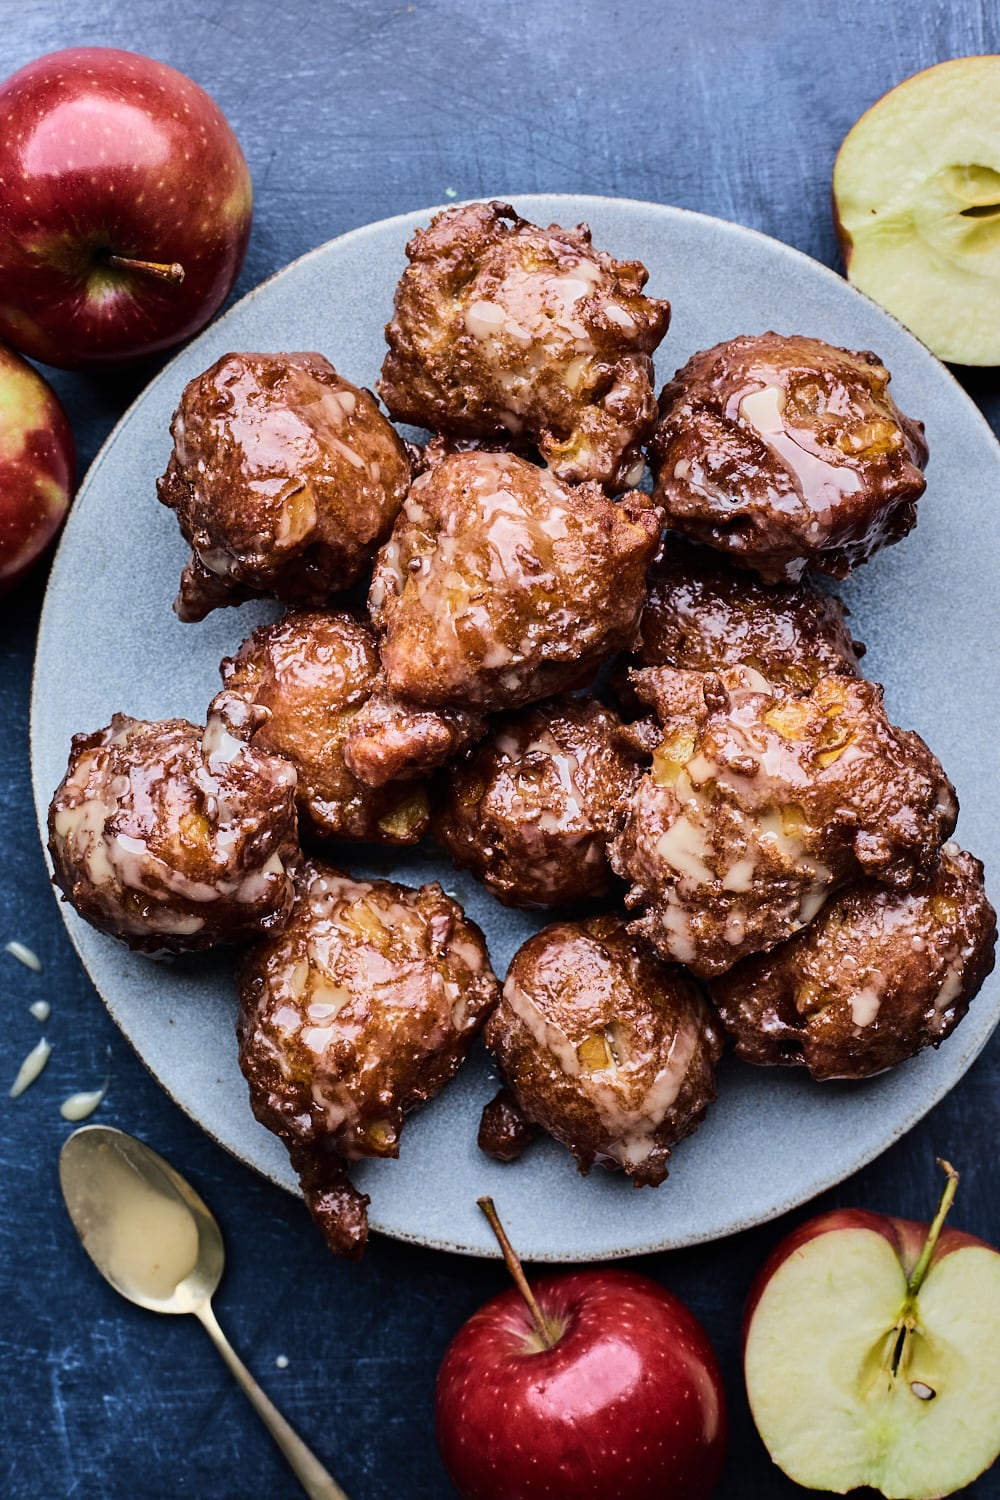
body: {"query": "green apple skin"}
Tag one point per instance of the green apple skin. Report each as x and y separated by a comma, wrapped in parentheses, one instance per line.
(827, 1409)
(916, 206)
(37, 467)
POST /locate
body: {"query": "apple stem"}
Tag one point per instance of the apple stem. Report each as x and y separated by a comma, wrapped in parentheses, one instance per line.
(174, 273)
(542, 1326)
(920, 1269)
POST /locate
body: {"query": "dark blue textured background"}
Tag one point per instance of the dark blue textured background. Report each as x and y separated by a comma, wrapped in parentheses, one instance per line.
(349, 111)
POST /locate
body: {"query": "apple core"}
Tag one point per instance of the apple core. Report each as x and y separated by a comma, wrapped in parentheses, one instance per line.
(916, 194)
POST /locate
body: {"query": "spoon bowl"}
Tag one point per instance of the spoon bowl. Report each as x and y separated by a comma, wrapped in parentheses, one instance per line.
(146, 1230)
(156, 1241)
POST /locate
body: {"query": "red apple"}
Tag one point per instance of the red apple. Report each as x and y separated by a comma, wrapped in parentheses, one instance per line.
(125, 207)
(607, 1389)
(872, 1354)
(37, 465)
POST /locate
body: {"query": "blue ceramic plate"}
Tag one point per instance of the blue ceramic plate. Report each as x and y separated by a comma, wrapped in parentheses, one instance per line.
(929, 610)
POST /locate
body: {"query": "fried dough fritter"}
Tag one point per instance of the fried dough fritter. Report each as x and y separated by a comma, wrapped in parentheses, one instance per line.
(602, 1045)
(360, 1010)
(285, 479)
(175, 838)
(787, 453)
(530, 811)
(503, 327)
(315, 672)
(879, 975)
(703, 614)
(760, 803)
(500, 585)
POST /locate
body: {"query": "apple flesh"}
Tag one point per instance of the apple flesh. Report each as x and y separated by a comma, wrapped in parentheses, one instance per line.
(916, 195)
(37, 467)
(856, 1376)
(626, 1404)
(125, 207)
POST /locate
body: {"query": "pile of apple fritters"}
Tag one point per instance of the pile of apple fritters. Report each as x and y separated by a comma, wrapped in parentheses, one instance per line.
(663, 736)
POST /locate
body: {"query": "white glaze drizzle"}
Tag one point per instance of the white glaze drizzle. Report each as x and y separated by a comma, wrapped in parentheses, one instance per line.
(24, 955)
(31, 1068)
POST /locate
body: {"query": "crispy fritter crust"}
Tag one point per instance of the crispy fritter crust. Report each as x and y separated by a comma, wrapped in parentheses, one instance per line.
(363, 1008)
(175, 838)
(602, 1045)
(315, 672)
(703, 614)
(501, 585)
(760, 803)
(531, 809)
(284, 478)
(787, 453)
(392, 739)
(879, 975)
(502, 327)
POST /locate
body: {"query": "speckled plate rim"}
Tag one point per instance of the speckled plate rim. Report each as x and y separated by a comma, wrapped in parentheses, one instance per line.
(962, 1050)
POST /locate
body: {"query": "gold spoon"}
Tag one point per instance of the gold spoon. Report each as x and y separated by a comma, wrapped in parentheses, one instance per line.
(152, 1237)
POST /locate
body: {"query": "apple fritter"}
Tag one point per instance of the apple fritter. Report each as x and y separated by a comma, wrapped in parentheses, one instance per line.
(175, 838)
(703, 614)
(314, 672)
(787, 453)
(361, 1009)
(879, 975)
(504, 328)
(761, 802)
(531, 810)
(284, 478)
(501, 585)
(603, 1046)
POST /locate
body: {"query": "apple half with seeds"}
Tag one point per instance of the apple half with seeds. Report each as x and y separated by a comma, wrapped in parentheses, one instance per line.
(916, 197)
(872, 1354)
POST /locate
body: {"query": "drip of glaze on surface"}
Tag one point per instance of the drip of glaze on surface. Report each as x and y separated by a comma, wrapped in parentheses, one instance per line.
(81, 1106)
(819, 482)
(24, 955)
(865, 1006)
(30, 1068)
(144, 1239)
(630, 1113)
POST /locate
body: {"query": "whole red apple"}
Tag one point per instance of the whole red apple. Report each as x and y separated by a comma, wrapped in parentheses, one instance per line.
(125, 207)
(37, 465)
(872, 1354)
(624, 1403)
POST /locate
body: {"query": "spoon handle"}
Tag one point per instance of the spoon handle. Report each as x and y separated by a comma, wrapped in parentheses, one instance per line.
(314, 1479)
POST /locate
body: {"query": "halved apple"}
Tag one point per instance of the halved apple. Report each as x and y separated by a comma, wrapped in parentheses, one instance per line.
(872, 1354)
(916, 197)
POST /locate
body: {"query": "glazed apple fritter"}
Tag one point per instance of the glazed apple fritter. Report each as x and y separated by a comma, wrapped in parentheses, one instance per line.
(173, 837)
(602, 1045)
(284, 478)
(531, 809)
(361, 1009)
(504, 328)
(500, 585)
(761, 802)
(314, 672)
(787, 453)
(879, 975)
